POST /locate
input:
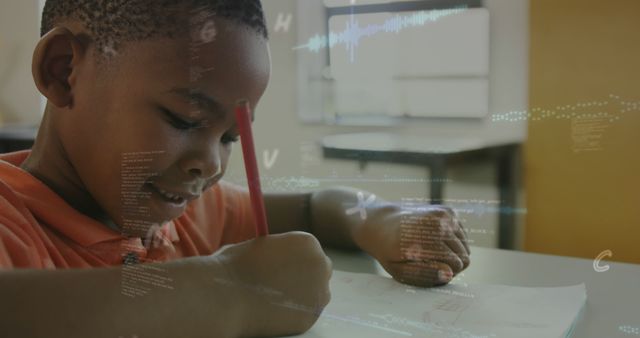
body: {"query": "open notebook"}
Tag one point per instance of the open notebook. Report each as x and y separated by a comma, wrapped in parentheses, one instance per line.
(371, 306)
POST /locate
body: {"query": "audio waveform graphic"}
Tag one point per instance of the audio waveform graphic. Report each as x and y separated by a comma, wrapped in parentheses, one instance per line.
(353, 32)
(611, 109)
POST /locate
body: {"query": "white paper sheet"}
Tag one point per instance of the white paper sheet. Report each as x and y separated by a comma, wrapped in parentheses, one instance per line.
(372, 306)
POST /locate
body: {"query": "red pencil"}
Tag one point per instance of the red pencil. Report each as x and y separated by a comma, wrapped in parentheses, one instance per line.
(243, 118)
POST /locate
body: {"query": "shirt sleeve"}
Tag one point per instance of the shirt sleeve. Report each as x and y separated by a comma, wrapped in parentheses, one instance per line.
(222, 215)
(5, 260)
(239, 221)
(18, 241)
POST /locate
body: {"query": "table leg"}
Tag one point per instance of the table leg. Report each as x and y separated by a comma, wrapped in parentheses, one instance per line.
(436, 185)
(507, 193)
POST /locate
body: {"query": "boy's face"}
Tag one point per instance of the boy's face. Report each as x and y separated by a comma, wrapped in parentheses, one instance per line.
(150, 131)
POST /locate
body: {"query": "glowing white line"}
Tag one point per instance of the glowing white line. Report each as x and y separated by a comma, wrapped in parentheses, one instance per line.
(408, 334)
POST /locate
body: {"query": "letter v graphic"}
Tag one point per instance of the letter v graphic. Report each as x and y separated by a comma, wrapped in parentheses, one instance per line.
(270, 159)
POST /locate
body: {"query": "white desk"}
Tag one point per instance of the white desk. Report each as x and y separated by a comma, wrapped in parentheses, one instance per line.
(613, 297)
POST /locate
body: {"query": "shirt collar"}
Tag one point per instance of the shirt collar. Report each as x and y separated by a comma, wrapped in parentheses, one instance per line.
(49, 208)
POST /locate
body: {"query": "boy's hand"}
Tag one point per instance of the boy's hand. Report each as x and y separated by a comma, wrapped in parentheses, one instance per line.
(282, 280)
(424, 247)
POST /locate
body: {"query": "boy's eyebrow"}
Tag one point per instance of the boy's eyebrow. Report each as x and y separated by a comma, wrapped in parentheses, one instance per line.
(200, 99)
(204, 101)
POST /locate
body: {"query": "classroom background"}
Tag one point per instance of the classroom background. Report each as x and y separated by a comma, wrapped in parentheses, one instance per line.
(550, 86)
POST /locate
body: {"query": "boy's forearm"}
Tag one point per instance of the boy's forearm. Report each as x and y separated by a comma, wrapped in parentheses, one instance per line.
(337, 220)
(328, 215)
(90, 303)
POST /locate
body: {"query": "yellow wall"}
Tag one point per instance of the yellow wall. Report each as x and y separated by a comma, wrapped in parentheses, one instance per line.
(582, 203)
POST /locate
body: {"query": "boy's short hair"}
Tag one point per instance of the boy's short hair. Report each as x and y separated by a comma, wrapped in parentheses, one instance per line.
(112, 22)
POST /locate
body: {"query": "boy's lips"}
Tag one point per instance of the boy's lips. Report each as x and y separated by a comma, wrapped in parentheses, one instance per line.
(167, 204)
(174, 195)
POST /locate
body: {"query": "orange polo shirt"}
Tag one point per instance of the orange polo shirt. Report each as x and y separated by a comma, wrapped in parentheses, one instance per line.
(39, 230)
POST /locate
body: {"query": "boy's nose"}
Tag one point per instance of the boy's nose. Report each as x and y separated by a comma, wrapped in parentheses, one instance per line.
(204, 166)
(205, 172)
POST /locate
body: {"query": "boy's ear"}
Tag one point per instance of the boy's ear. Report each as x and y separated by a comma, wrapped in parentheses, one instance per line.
(54, 59)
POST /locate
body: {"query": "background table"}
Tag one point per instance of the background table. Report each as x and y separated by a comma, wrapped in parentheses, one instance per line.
(613, 296)
(437, 154)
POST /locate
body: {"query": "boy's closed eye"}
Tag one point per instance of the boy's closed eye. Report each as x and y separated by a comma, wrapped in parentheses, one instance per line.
(228, 139)
(183, 124)
(179, 122)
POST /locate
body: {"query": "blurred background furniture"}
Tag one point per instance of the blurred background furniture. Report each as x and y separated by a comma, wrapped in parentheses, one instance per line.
(437, 154)
(17, 137)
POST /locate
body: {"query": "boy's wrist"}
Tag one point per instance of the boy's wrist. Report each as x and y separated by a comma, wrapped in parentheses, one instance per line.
(213, 296)
(375, 229)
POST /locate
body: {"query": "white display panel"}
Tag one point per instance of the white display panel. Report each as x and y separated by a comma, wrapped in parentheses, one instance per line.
(411, 63)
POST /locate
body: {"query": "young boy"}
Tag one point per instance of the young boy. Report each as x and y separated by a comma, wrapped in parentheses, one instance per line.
(126, 169)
